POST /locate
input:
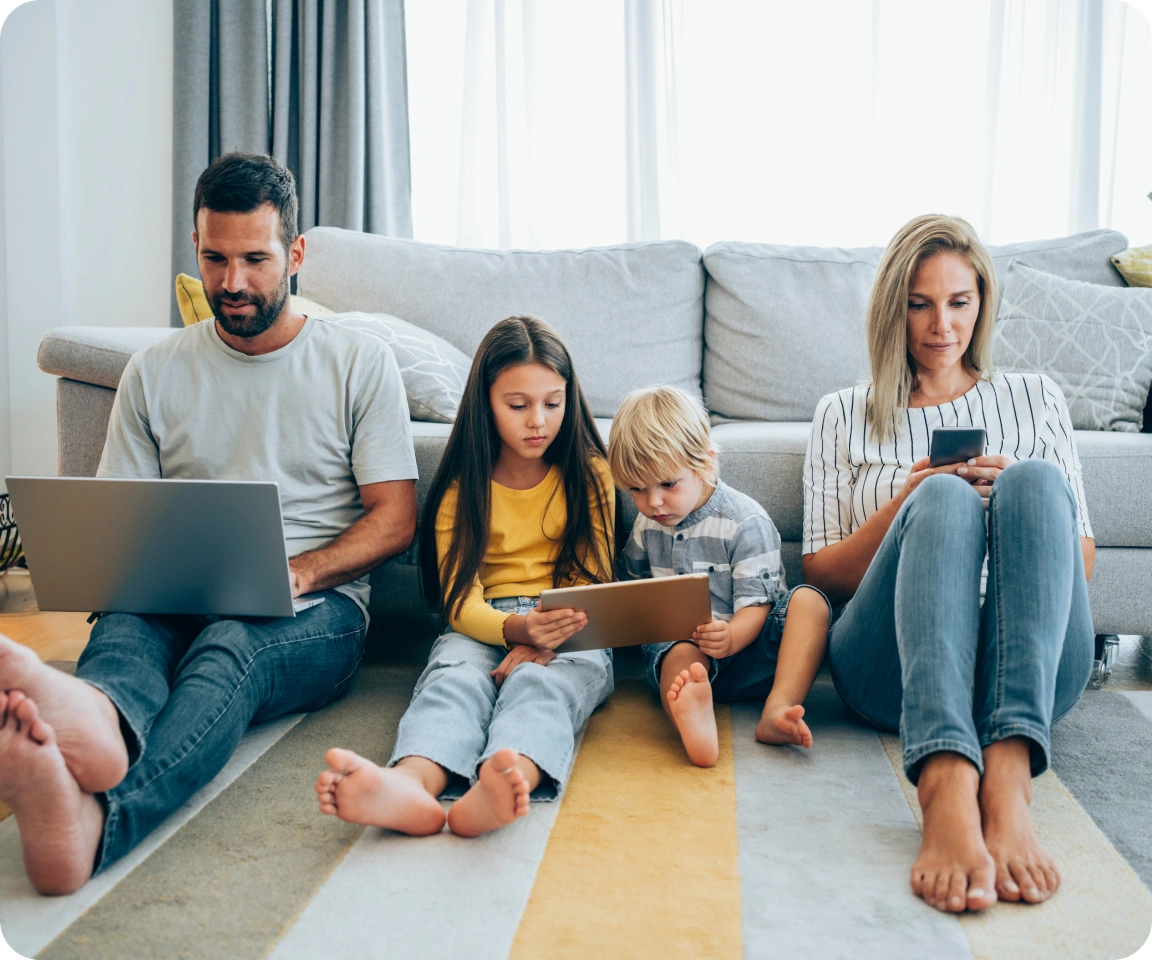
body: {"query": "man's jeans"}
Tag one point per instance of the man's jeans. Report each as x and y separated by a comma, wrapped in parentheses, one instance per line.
(913, 649)
(188, 686)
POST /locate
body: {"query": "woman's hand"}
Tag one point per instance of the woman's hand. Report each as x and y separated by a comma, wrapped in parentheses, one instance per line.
(919, 473)
(544, 629)
(982, 472)
(521, 653)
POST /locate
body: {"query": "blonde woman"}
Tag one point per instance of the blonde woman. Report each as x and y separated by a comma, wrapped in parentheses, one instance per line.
(972, 677)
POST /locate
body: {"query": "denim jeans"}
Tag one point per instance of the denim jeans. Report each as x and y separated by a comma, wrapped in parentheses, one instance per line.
(458, 717)
(188, 686)
(913, 649)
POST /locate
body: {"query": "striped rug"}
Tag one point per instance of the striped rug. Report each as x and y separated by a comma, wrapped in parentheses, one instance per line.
(775, 852)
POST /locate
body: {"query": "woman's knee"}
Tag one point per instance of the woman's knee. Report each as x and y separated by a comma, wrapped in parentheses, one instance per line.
(1033, 477)
(945, 494)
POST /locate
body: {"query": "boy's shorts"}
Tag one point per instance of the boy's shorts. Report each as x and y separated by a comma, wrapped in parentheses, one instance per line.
(746, 675)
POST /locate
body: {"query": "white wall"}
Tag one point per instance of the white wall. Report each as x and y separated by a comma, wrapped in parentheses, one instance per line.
(85, 192)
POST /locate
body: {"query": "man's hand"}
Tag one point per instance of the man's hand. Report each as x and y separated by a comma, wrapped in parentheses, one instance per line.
(300, 578)
(715, 639)
(521, 653)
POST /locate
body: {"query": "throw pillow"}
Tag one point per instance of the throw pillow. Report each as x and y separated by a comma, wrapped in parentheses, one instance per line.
(434, 372)
(1135, 266)
(1094, 341)
(194, 305)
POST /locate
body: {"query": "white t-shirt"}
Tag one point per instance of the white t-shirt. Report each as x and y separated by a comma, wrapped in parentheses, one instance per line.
(848, 475)
(321, 416)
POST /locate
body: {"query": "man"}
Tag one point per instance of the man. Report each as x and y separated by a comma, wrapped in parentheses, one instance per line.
(91, 764)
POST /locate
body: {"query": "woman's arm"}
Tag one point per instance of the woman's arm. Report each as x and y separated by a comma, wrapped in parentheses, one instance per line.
(1088, 546)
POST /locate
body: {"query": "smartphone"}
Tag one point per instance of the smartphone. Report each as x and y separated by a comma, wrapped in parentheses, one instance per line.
(956, 445)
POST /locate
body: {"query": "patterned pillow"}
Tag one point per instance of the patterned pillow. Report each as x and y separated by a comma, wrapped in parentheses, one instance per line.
(432, 369)
(1094, 341)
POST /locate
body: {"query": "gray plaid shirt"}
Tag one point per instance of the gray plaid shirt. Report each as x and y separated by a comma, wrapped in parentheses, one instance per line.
(730, 538)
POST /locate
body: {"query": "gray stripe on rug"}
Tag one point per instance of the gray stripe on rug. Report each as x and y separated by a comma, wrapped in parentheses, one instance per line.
(238, 874)
(1141, 698)
(1102, 752)
(826, 844)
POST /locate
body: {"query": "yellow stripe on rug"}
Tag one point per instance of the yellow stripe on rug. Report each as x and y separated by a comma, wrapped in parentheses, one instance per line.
(642, 860)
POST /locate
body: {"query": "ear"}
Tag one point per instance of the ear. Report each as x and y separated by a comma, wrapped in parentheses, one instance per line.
(714, 463)
(296, 255)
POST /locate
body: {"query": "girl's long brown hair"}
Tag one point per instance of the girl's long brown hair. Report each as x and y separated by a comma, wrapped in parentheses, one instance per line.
(471, 455)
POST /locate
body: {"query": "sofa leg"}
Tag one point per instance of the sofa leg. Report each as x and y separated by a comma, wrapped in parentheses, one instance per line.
(1106, 647)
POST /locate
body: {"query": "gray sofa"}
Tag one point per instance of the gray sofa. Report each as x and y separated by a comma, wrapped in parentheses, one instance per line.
(761, 331)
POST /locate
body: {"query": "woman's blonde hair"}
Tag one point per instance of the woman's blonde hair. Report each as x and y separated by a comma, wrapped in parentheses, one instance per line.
(658, 432)
(886, 322)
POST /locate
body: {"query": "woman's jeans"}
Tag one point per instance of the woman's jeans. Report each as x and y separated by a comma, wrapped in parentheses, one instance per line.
(188, 686)
(914, 651)
(458, 716)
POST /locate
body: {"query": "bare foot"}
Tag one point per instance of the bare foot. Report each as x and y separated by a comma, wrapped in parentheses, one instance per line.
(690, 706)
(1024, 871)
(783, 723)
(953, 871)
(60, 826)
(87, 725)
(357, 790)
(495, 800)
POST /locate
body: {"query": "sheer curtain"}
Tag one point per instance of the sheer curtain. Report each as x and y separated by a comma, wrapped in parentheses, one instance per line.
(540, 124)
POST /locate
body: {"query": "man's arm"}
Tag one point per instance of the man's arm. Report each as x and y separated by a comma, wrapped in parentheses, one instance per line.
(386, 529)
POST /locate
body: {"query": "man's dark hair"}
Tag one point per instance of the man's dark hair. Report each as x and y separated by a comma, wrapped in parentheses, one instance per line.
(241, 182)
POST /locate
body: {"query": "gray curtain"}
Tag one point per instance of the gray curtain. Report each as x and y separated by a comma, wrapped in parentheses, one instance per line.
(320, 84)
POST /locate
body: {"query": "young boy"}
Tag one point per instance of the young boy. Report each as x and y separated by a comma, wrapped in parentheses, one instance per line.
(763, 640)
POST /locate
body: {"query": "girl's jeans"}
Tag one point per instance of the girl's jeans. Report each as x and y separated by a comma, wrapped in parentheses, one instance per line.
(914, 651)
(458, 716)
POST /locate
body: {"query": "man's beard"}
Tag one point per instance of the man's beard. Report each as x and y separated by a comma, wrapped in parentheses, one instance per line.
(267, 310)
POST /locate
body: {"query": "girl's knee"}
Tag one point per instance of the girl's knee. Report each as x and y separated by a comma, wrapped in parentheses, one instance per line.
(809, 602)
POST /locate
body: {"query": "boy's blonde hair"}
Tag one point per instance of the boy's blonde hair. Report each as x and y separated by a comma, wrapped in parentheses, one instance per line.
(657, 433)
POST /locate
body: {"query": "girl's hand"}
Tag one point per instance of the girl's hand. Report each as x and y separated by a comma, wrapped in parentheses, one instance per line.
(547, 629)
(714, 639)
(521, 653)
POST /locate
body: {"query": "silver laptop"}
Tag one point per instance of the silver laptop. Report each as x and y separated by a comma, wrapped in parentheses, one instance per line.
(155, 546)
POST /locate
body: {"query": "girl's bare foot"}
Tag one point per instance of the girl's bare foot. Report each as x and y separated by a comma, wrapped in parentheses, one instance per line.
(954, 871)
(60, 825)
(1024, 871)
(87, 724)
(358, 791)
(497, 798)
(783, 723)
(690, 706)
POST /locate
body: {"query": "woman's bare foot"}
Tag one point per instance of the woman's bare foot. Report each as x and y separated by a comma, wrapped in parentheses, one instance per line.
(359, 791)
(953, 871)
(783, 723)
(60, 825)
(690, 706)
(495, 800)
(1024, 871)
(87, 725)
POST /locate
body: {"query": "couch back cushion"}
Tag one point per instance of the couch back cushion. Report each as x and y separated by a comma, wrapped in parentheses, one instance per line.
(631, 315)
(784, 326)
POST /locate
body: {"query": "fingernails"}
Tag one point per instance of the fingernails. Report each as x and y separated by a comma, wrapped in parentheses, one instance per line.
(962, 470)
(971, 462)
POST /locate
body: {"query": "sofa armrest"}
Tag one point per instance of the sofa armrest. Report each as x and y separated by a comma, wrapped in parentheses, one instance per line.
(95, 355)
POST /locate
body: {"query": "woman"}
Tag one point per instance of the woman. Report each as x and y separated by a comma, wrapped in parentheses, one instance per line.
(973, 688)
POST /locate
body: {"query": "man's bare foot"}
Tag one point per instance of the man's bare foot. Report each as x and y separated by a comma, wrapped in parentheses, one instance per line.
(87, 724)
(690, 706)
(359, 791)
(1024, 871)
(953, 871)
(783, 723)
(495, 800)
(60, 825)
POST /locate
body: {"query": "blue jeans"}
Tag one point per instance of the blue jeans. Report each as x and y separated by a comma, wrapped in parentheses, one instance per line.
(188, 686)
(458, 717)
(914, 651)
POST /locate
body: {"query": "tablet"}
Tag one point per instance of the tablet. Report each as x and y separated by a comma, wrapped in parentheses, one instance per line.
(635, 611)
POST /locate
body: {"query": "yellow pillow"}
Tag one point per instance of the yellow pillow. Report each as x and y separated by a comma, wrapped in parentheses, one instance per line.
(1135, 266)
(194, 305)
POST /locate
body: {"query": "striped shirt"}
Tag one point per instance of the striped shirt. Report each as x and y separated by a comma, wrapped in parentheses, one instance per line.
(730, 538)
(848, 475)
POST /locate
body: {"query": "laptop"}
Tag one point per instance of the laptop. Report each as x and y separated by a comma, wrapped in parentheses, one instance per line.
(155, 546)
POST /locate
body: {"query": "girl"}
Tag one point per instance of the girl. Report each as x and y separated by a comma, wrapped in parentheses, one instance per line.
(521, 502)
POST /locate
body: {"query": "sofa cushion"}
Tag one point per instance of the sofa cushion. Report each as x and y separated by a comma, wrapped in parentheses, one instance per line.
(629, 314)
(784, 325)
(1117, 468)
(94, 355)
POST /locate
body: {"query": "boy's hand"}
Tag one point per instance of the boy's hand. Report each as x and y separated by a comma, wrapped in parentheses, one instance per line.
(714, 639)
(521, 653)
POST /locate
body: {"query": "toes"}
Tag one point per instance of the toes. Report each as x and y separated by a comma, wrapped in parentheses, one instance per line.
(696, 672)
(41, 731)
(957, 893)
(1053, 876)
(343, 761)
(1029, 888)
(24, 709)
(940, 891)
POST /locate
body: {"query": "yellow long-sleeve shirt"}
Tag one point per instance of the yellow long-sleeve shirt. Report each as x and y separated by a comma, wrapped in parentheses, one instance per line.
(525, 529)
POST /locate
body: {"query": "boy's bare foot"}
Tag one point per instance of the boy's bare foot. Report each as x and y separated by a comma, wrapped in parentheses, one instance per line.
(783, 723)
(690, 705)
(359, 791)
(87, 724)
(1024, 871)
(495, 800)
(60, 826)
(953, 871)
